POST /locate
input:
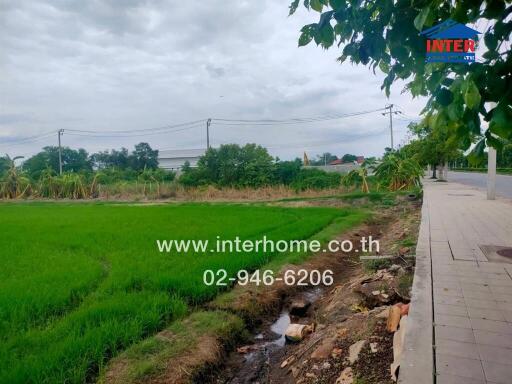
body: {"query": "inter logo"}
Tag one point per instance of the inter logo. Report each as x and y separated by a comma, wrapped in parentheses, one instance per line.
(450, 42)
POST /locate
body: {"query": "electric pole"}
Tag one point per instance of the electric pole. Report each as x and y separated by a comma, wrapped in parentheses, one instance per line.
(390, 112)
(59, 133)
(208, 123)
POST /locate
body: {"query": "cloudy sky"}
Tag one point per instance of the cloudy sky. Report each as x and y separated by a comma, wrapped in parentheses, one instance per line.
(124, 65)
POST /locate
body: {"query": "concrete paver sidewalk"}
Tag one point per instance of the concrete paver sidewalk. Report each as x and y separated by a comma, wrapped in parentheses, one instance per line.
(470, 291)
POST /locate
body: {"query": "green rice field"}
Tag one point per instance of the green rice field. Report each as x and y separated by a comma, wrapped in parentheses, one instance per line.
(80, 282)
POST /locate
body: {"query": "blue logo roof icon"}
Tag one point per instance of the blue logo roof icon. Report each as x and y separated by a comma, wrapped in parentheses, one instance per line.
(450, 29)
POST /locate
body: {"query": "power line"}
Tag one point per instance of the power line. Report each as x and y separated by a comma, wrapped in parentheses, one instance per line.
(173, 128)
(292, 120)
(166, 127)
(100, 134)
(28, 140)
(191, 125)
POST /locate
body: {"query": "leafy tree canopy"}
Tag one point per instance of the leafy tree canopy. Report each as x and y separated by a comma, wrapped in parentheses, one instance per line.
(231, 164)
(5, 164)
(434, 147)
(384, 34)
(144, 157)
(113, 159)
(348, 158)
(72, 161)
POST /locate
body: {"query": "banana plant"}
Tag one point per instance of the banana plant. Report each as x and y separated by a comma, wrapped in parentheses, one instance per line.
(359, 177)
(398, 173)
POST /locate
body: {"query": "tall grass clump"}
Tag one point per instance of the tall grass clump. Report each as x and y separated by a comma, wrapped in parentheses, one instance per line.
(69, 185)
(14, 184)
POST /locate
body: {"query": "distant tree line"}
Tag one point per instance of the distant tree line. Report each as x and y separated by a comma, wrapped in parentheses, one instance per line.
(230, 165)
(114, 164)
(435, 148)
(252, 166)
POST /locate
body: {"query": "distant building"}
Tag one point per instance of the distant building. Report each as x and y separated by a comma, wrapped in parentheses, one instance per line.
(175, 159)
(360, 159)
(336, 162)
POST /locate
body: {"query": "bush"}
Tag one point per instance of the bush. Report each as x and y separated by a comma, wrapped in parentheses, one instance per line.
(309, 178)
(374, 265)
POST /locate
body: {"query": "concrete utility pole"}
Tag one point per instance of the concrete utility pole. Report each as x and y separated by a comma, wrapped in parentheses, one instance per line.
(59, 133)
(491, 174)
(491, 170)
(390, 107)
(208, 123)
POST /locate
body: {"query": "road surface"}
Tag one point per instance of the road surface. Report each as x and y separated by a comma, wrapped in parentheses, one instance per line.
(479, 180)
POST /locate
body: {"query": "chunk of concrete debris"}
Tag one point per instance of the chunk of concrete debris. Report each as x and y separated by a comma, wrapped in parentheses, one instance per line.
(346, 377)
(297, 332)
(341, 333)
(373, 347)
(288, 361)
(354, 350)
(336, 352)
(324, 350)
(246, 349)
(299, 307)
(398, 344)
(383, 314)
(404, 251)
(393, 318)
(376, 293)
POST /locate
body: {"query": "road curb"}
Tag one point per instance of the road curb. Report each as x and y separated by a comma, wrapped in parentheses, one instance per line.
(417, 364)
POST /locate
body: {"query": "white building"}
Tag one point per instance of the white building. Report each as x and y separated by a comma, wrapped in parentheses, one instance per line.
(174, 159)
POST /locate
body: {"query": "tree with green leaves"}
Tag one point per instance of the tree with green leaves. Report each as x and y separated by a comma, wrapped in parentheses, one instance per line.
(505, 156)
(432, 147)
(232, 165)
(5, 164)
(143, 157)
(287, 171)
(348, 158)
(73, 160)
(118, 159)
(384, 34)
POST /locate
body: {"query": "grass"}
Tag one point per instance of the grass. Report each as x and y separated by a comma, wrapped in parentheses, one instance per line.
(150, 357)
(82, 282)
(373, 265)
